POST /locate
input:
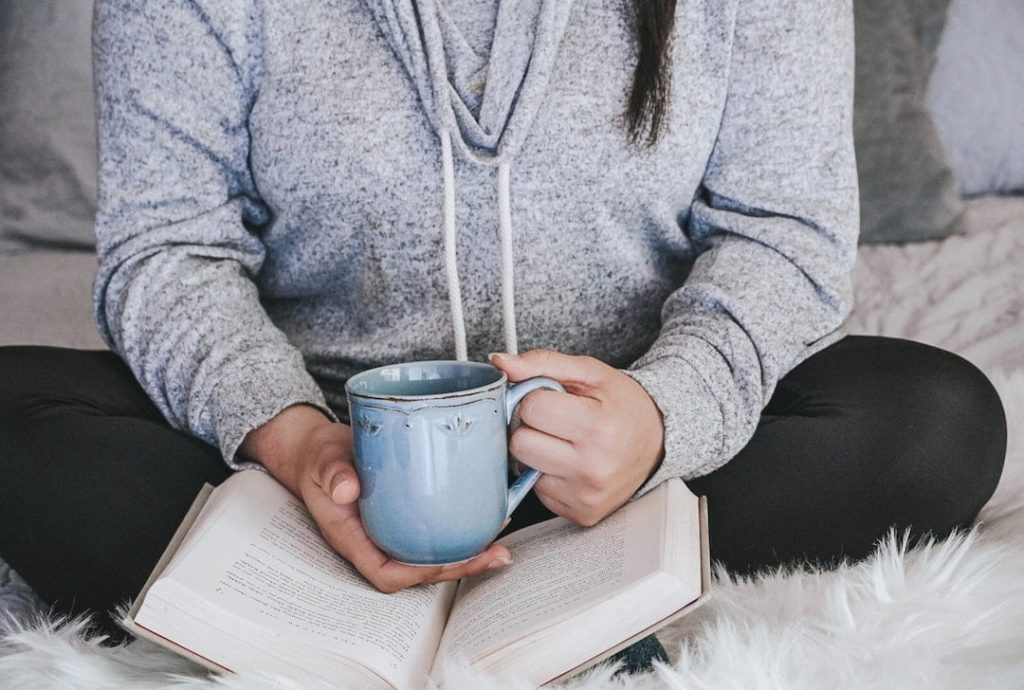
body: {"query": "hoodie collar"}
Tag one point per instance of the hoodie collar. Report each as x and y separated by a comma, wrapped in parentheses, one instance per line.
(523, 53)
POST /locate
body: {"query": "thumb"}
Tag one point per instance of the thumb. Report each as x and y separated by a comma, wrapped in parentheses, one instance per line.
(571, 370)
(339, 480)
(512, 365)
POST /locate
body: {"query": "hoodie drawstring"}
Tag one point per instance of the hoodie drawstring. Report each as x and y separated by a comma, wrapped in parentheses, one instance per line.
(451, 267)
(508, 303)
(508, 309)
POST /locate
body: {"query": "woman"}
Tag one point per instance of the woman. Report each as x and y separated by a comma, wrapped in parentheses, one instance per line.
(656, 203)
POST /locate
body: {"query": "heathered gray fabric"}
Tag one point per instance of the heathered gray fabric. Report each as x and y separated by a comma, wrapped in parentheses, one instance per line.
(467, 27)
(270, 205)
(474, 20)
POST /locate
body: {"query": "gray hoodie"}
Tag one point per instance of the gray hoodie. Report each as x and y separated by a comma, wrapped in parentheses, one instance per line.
(291, 193)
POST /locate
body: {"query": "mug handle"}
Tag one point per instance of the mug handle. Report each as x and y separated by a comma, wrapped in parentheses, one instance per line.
(514, 395)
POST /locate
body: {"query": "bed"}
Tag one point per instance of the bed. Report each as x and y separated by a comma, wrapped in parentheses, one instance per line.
(946, 615)
(965, 293)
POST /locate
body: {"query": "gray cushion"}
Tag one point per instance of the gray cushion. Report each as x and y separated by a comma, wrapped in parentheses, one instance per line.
(908, 190)
(976, 94)
(47, 124)
(46, 299)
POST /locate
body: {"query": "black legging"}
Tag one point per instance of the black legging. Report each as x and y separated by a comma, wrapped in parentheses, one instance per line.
(869, 433)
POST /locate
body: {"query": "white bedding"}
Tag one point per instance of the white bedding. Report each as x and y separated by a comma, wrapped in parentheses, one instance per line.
(964, 293)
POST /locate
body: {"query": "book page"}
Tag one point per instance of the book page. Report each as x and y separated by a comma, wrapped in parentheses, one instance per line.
(558, 568)
(263, 560)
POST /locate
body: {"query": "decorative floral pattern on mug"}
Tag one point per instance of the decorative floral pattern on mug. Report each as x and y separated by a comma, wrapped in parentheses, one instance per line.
(459, 425)
(369, 427)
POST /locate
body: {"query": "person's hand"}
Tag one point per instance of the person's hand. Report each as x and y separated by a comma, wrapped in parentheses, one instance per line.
(596, 444)
(312, 457)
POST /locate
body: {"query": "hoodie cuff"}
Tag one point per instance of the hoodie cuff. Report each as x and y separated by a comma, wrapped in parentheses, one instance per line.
(694, 428)
(252, 393)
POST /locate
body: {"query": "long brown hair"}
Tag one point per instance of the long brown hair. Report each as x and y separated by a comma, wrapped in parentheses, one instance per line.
(648, 100)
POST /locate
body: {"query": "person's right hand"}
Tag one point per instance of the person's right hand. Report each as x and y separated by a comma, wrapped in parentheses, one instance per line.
(312, 457)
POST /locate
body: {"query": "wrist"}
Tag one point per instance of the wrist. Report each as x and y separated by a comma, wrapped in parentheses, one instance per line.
(659, 457)
(652, 442)
(277, 443)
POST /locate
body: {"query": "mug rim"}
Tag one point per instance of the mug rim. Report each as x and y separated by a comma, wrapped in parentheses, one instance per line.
(503, 380)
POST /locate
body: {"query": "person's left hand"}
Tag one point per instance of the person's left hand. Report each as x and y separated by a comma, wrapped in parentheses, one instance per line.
(596, 444)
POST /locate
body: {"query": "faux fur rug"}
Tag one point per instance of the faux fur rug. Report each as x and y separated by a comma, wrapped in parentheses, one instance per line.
(942, 615)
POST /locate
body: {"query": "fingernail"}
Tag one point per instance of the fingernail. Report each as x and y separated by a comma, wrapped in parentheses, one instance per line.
(339, 485)
(499, 562)
(495, 357)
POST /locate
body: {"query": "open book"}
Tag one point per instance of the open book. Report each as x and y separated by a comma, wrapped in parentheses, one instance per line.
(248, 583)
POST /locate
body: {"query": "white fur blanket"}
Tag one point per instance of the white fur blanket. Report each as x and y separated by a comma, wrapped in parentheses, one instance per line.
(945, 615)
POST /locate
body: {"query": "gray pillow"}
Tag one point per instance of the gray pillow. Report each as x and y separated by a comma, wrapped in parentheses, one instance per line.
(47, 124)
(976, 94)
(908, 190)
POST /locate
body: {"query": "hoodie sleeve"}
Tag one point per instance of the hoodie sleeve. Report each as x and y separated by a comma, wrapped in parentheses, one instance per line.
(774, 226)
(179, 217)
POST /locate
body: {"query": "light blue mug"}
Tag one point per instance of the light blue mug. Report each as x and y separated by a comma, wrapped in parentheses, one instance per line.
(431, 452)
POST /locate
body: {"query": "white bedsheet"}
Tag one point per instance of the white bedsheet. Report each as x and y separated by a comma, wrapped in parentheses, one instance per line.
(964, 293)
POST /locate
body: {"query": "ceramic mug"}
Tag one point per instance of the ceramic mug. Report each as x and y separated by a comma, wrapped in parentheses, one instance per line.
(431, 452)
